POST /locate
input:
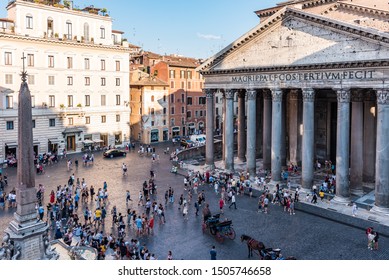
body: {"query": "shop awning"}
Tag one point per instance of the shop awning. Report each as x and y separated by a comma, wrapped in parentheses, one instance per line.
(11, 145)
(176, 129)
(54, 140)
(87, 142)
(98, 141)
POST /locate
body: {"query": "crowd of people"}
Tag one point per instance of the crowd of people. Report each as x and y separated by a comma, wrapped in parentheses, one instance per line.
(80, 213)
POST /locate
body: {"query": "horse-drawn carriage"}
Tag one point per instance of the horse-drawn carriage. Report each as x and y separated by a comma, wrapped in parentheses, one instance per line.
(220, 229)
(259, 248)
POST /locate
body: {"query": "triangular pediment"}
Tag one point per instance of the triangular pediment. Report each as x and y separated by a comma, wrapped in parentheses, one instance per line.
(295, 38)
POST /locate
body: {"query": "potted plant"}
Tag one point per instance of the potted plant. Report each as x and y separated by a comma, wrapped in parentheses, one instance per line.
(56, 35)
(103, 11)
(66, 4)
(79, 105)
(61, 106)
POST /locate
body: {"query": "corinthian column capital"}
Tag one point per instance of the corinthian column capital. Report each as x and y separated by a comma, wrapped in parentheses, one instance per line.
(251, 94)
(276, 94)
(208, 92)
(382, 96)
(343, 95)
(308, 94)
(229, 94)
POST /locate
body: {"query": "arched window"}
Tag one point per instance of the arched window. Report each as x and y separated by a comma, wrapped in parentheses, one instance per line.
(152, 111)
(152, 98)
(86, 32)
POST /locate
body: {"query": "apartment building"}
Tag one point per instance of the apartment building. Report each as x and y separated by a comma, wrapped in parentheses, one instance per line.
(78, 75)
(186, 99)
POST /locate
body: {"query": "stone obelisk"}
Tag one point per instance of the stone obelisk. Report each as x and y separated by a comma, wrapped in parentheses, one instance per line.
(26, 231)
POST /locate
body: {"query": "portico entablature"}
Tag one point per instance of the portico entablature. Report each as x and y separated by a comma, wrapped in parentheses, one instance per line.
(291, 78)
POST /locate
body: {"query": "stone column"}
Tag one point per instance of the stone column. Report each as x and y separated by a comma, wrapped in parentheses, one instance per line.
(276, 134)
(229, 131)
(259, 111)
(369, 142)
(241, 126)
(209, 141)
(283, 132)
(293, 125)
(343, 147)
(356, 156)
(224, 128)
(382, 153)
(267, 122)
(251, 132)
(308, 138)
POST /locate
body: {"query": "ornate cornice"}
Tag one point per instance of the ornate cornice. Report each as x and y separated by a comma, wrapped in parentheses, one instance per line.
(64, 42)
(276, 94)
(343, 95)
(308, 94)
(288, 68)
(358, 8)
(251, 94)
(382, 96)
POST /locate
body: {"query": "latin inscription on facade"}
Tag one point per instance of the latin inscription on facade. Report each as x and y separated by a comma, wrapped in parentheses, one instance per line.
(300, 77)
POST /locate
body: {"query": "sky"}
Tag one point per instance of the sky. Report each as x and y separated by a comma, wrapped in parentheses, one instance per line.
(192, 28)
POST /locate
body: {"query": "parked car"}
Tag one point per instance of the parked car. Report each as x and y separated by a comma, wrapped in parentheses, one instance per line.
(114, 153)
(187, 143)
(199, 139)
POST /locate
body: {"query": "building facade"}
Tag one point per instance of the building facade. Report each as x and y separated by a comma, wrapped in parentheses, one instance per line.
(149, 105)
(78, 74)
(315, 78)
(186, 101)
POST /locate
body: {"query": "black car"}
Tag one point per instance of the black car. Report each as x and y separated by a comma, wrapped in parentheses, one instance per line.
(114, 153)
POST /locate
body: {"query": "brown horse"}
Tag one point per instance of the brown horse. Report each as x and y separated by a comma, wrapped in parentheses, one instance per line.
(252, 245)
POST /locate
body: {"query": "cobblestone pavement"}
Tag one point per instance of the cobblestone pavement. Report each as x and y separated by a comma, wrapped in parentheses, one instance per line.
(302, 235)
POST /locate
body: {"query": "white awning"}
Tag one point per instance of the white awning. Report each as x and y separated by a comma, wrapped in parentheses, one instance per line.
(11, 145)
(87, 141)
(98, 141)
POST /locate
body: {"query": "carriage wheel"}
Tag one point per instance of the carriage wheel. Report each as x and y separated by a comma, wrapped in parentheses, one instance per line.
(219, 237)
(212, 230)
(231, 234)
(203, 227)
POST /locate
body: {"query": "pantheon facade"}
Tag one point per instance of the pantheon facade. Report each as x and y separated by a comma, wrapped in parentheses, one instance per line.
(312, 84)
